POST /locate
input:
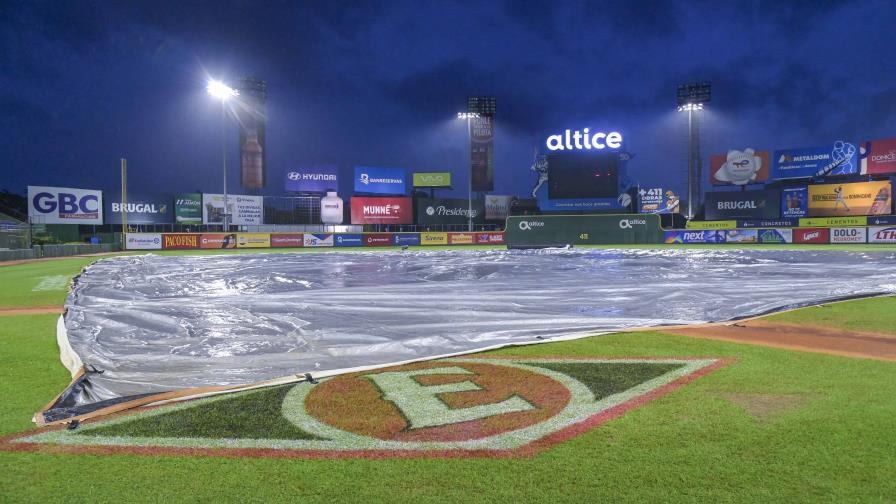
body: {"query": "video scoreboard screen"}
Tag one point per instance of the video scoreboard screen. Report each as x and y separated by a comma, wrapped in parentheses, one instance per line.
(583, 175)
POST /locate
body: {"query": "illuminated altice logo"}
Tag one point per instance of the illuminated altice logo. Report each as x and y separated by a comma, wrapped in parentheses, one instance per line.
(579, 140)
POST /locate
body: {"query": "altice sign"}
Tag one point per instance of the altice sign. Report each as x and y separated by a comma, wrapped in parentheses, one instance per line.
(584, 140)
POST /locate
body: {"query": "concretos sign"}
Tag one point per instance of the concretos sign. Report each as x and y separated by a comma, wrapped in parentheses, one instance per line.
(381, 210)
(584, 140)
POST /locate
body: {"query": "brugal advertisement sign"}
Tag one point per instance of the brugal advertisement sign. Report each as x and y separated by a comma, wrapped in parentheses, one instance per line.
(448, 211)
(765, 204)
(140, 209)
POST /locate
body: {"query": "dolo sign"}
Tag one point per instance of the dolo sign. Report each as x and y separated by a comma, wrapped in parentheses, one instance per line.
(584, 140)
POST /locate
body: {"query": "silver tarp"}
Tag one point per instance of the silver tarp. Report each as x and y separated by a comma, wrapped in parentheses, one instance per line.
(157, 323)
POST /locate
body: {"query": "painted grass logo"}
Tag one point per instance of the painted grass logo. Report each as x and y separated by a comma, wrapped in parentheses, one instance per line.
(452, 407)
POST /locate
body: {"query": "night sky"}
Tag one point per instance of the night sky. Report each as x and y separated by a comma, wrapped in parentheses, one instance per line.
(83, 84)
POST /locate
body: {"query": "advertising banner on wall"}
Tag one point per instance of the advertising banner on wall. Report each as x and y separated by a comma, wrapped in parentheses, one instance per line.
(285, 240)
(252, 119)
(349, 240)
(140, 208)
(742, 236)
(244, 210)
(837, 159)
(434, 238)
(725, 224)
(496, 238)
(253, 240)
(461, 239)
(447, 211)
(682, 237)
(768, 223)
(885, 220)
(739, 167)
(409, 239)
(795, 202)
(776, 236)
(858, 198)
(552, 230)
(833, 221)
(432, 179)
(657, 200)
(217, 240)
(497, 207)
(188, 208)
(879, 157)
(180, 241)
(375, 180)
(318, 240)
(811, 235)
(378, 240)
(366, 210)
(886, 234)
(64, 205)
(143, 241)
(482, 152)
(765, 204)
(849, 235)
(313, 179)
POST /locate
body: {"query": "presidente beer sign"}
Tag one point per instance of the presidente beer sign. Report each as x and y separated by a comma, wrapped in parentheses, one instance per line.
(367, 210)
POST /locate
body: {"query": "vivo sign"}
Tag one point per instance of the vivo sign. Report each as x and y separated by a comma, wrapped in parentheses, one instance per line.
(64, 205)
(585, 140)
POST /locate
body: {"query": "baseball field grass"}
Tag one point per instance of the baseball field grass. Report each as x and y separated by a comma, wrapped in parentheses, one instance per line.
(774, 425)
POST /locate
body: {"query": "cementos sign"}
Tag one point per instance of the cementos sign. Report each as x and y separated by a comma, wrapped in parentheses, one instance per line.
(584, 140)
(374, 180)
(64, 205)
(838, 159)
(381, 210)
(313, 179)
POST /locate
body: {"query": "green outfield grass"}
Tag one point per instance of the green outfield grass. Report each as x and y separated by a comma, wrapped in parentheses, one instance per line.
(775, 425)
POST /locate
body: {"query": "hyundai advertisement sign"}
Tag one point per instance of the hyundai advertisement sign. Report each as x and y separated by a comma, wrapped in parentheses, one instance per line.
(722, 205)
(841, 158)
(313, 179)
(140, 209)
(372, 180)
(64, 205)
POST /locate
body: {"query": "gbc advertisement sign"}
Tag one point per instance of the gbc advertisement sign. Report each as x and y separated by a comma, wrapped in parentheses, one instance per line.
(860, 198)
(143, 241)
(432, 179)
(794, 202)
(839, 159)
(849, 235)
(64, 205)
(447, 211)
(739, 167)
(656, 200)
(243, 210)
(763, 204)
(879, 157)
(882, 234)
(313, 179)
(380, 180)
(497, 207)
(381, 210)
(188, 208)
(140, 209)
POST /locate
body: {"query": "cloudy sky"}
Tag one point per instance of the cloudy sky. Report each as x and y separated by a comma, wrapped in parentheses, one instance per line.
(85, 83)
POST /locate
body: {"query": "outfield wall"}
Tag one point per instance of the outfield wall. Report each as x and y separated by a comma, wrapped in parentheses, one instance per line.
(210, 241)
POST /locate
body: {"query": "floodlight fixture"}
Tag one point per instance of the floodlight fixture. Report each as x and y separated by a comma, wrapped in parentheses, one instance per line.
(220, 90)
(467, 115)
(695, 93)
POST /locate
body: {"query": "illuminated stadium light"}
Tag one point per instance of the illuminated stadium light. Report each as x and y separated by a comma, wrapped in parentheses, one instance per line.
(220, 90)
(691, 98)
(467, 115)
(690, 106)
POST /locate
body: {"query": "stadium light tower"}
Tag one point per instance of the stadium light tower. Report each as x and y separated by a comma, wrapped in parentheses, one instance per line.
(469, 116)
(223, 92)
(691, 98)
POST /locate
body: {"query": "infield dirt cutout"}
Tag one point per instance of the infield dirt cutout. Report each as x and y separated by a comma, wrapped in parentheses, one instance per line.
(468, 406)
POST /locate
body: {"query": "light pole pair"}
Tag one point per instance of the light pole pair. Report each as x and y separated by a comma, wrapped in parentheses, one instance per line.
(469, 116)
